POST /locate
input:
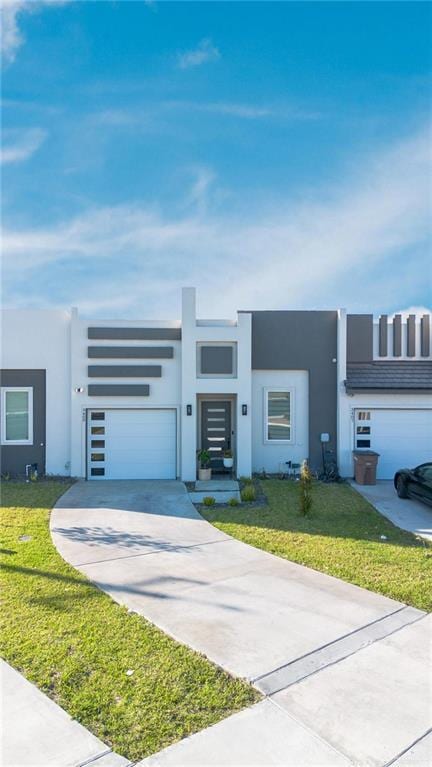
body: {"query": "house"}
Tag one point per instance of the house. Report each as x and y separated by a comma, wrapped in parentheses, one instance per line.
(136, 400)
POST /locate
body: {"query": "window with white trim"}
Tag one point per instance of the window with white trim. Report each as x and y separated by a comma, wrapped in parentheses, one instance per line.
(278, 407)
(363, 429)
(17, 415)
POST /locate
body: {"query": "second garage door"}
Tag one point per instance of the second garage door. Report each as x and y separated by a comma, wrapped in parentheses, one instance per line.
(403, 438)
(131, 444)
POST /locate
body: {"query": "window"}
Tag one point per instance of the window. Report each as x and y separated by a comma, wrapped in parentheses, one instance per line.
(216, 360)
(278, 415)
(363, 429)
(17, 415)
(97, 457)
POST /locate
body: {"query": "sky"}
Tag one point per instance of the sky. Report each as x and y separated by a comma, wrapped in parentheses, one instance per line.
(274, 155)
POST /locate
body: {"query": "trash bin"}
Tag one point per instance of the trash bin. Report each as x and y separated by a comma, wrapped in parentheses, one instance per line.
(365, 465)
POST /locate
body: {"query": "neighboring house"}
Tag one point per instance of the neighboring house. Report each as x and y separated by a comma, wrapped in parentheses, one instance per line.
(132, 400)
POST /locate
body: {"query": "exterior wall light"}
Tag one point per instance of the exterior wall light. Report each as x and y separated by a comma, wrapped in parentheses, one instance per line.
(244, 409)
(79, 389)
(188, 409)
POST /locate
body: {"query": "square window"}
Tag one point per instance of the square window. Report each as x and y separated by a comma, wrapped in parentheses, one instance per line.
(96, 472)
(278, 424)
(363, 429)
(17, 415)
(216, 360)
(98, 443)
(98, 416)
(98, 429)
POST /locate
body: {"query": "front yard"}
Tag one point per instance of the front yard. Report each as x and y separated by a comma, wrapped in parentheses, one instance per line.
(341, 536)
(79, 647)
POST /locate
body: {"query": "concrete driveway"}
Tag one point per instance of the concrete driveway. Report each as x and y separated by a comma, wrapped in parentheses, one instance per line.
(307, 640)
(406, 513)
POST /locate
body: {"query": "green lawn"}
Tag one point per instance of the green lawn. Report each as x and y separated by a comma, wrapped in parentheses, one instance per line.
(76, 644)
(341, 536)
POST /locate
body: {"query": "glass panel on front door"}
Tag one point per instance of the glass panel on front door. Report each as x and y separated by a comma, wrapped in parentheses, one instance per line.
(216, 430)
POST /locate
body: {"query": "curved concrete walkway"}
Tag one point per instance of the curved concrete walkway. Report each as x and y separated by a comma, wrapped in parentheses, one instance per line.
(259, 617)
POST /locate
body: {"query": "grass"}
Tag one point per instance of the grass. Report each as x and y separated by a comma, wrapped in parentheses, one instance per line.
(341, 536)
(76, 644)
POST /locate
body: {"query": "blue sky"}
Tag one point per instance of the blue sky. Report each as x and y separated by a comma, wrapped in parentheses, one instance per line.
(275, 155)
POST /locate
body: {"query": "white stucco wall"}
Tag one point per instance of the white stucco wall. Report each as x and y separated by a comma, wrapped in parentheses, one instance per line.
(165, 392)
(40, 340)
(194, 332)
(272, 457)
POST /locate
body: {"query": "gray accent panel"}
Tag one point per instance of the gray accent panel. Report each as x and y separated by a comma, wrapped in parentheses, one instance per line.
(425, 335)
(411, 344)
(118, 390)
(137, 334)
(217, 360)
(359, 337)
(124, 371)
(383, 346)
(284, 340)
(15, 457)
(397, 335)
(131, 352)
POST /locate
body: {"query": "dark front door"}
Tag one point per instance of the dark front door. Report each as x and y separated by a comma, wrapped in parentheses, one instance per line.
(216, 430)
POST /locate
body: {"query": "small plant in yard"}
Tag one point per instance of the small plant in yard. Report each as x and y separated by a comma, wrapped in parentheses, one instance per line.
(209, 500)
(305, 489)
(246, 480)
(248, 494)
(233, 502)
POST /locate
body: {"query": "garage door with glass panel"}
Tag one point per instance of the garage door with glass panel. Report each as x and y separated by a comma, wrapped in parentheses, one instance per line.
(402, 437)
(131, 444)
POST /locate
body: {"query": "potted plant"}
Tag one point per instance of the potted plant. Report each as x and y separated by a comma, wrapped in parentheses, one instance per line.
(204, 470)
(228, 459)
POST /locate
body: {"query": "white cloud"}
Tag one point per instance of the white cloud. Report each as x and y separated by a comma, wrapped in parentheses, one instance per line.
(11, 35)
(342, 246)
(23, 145)
(418, 310)
(202, 54)
(198, 196)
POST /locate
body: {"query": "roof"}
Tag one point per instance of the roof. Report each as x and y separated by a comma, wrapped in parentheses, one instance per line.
(403, 375)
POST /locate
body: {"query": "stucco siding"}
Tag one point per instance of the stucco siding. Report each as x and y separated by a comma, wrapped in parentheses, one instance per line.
(272, 456)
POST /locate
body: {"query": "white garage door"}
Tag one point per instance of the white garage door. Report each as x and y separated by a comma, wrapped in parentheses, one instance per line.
(131, 444)
(401, 437)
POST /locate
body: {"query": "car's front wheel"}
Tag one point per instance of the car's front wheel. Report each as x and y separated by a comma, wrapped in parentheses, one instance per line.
(401, 488)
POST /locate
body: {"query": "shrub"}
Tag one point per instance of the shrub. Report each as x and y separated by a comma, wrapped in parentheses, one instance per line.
(209, 500)
(204, 458)
(246, 480)
(248, 493)
(305, 489)
(233, 502)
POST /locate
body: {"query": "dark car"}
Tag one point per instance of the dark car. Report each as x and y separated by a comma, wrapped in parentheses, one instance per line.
(415, 483)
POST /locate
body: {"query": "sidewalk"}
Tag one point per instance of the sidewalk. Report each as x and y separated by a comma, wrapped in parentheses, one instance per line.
(35, 731)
